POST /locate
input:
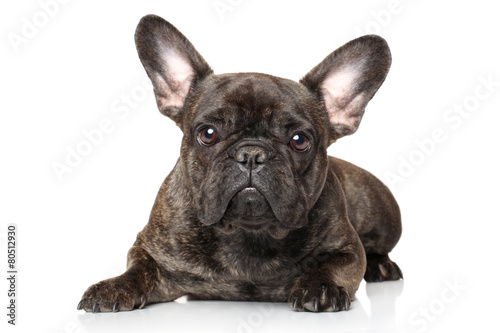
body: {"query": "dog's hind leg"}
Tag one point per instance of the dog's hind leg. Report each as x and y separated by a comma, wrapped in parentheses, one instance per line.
(379, 267)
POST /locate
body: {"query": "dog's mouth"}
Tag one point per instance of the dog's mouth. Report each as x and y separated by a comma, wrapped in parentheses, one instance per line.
(252, 201)
(249, 209)
(249, 204)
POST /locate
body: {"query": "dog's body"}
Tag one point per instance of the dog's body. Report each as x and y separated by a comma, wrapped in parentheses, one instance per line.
(255, 209)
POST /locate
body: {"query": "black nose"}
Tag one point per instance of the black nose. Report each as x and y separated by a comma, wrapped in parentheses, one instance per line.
(252, 153)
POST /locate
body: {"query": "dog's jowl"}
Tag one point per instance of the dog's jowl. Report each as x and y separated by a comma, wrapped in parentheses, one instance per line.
(255, 209)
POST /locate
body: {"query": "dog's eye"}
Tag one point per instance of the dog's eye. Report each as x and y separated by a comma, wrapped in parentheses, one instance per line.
(300, 143)
(208, 136)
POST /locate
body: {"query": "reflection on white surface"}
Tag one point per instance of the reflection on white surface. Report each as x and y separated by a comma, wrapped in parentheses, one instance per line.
(373, 310)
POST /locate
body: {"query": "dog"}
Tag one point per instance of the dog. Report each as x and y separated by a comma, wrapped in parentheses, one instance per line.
(255, 209)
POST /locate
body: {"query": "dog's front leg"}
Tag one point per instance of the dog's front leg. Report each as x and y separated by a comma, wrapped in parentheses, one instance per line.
(332, 285)
(133, 289)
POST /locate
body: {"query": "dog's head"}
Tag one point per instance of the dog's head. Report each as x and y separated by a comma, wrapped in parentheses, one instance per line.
(254, 146)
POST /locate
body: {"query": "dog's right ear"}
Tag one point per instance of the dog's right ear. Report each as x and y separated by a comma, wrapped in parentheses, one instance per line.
(172, 63)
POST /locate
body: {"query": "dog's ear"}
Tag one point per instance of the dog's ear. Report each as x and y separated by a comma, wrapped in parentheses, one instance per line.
(172, 63)
(347, 79)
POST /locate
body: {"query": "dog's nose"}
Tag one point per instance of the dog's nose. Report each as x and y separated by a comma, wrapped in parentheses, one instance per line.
(251, 154)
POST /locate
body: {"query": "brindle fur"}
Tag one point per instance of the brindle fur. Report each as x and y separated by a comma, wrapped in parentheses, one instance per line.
(326, 213)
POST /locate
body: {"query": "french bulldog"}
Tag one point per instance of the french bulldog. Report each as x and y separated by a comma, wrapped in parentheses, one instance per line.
(255, 209)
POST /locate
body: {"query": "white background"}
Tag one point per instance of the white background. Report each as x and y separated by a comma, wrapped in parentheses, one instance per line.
(77, 69)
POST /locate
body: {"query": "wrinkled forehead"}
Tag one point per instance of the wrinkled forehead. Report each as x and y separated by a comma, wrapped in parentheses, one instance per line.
(254, 97)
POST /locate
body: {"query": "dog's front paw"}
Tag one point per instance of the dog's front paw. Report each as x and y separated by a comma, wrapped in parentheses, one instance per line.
(120, 293)
(316, 296)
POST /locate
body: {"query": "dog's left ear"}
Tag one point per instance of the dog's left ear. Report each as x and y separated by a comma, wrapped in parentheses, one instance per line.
(347, 79)
(172, 63)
